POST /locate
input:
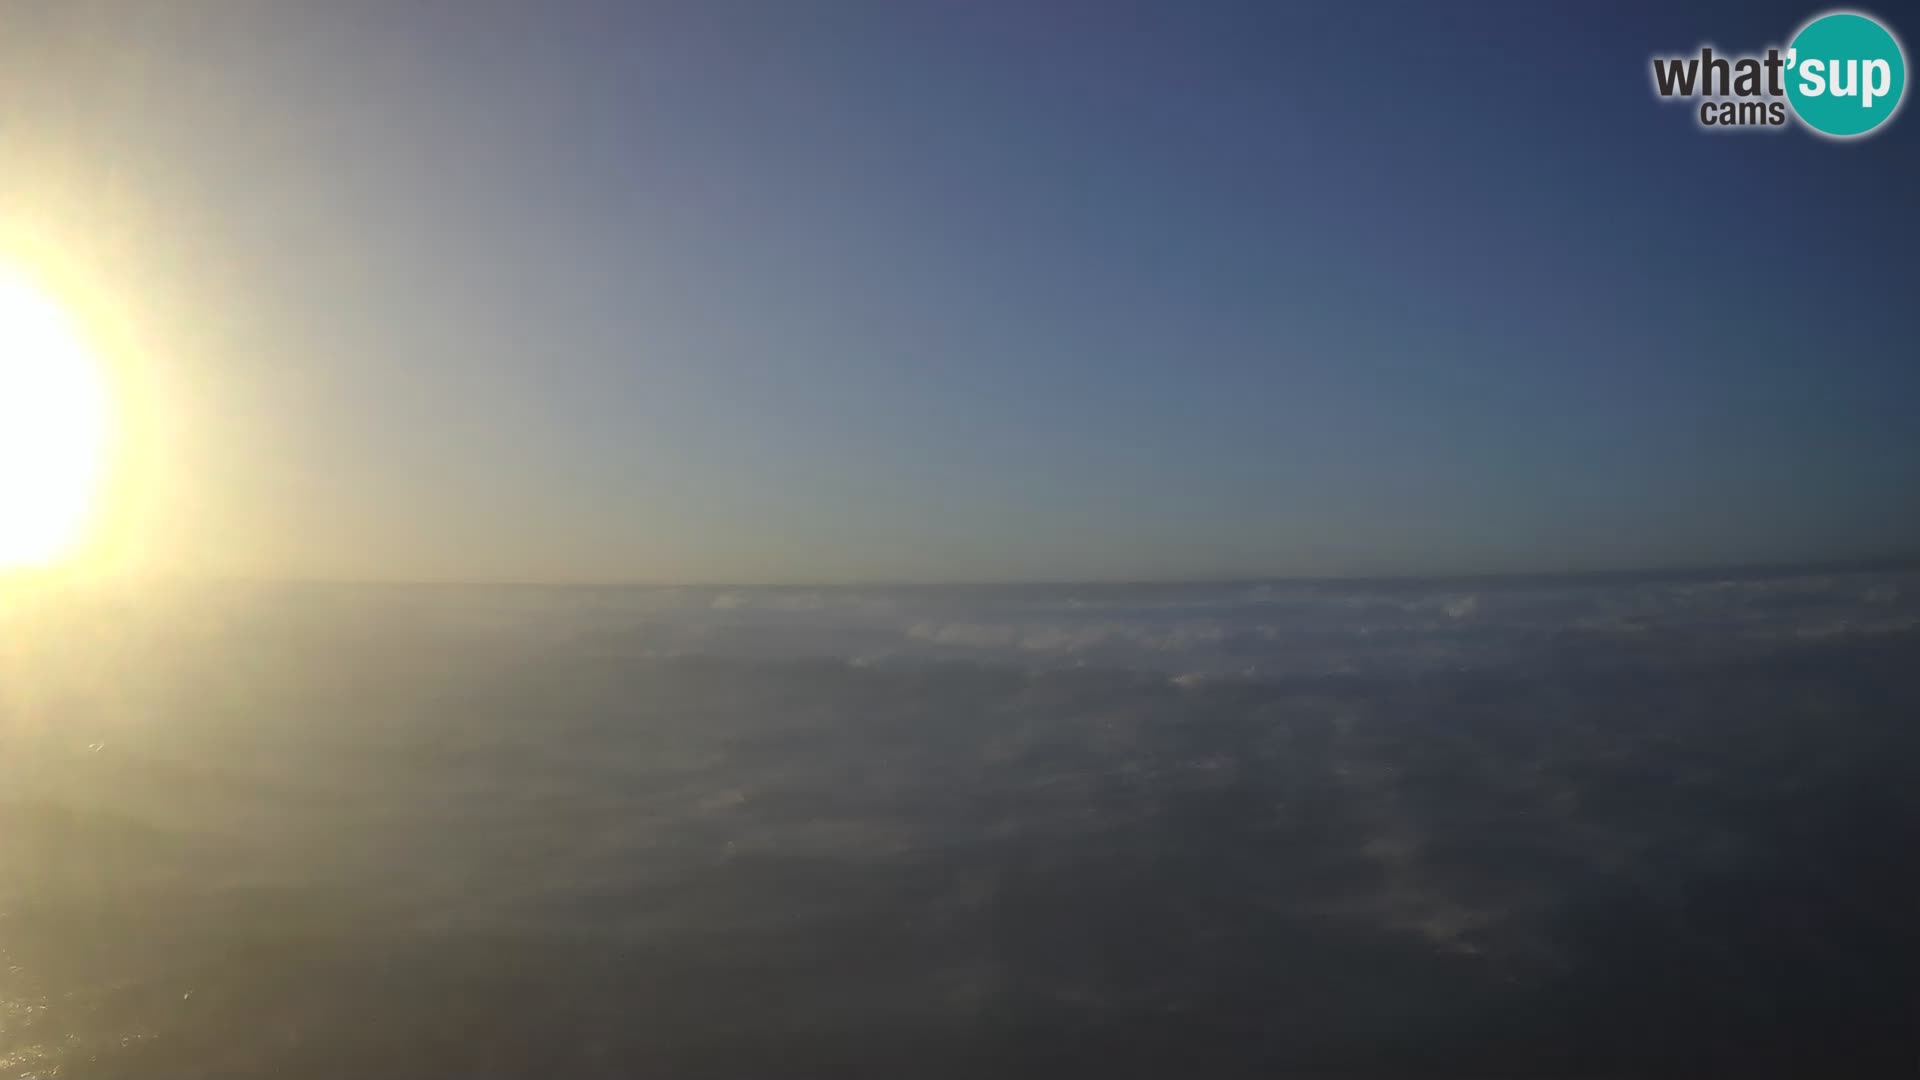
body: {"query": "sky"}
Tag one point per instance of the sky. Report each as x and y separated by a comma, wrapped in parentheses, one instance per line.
(904, 290)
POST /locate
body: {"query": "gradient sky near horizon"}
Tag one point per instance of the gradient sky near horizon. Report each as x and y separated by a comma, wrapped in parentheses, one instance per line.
(821, 291)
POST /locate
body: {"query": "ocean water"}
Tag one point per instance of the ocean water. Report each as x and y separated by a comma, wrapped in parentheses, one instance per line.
(1529, 827)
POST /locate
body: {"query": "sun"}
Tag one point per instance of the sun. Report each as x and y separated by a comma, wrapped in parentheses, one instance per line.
(55, 419)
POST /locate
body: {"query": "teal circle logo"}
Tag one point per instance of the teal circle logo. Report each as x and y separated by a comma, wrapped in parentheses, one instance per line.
(1845, 74)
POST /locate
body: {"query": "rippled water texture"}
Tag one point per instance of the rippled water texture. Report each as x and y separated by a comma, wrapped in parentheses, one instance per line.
(1585, 827)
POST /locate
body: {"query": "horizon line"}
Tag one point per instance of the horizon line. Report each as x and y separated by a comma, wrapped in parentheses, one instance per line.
(1663, 571)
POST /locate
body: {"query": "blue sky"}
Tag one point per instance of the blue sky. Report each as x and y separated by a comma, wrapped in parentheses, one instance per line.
(854, 291)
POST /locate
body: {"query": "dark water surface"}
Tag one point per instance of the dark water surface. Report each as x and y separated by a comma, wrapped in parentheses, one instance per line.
(1606, 827)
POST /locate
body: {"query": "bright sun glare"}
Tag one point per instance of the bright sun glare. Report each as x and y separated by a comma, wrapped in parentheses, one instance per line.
(54, 421)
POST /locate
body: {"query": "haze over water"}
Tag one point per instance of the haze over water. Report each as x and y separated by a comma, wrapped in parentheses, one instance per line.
(1566, 827)
(1314, 310)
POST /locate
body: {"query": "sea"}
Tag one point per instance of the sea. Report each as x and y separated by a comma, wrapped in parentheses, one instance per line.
(1593, 826)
